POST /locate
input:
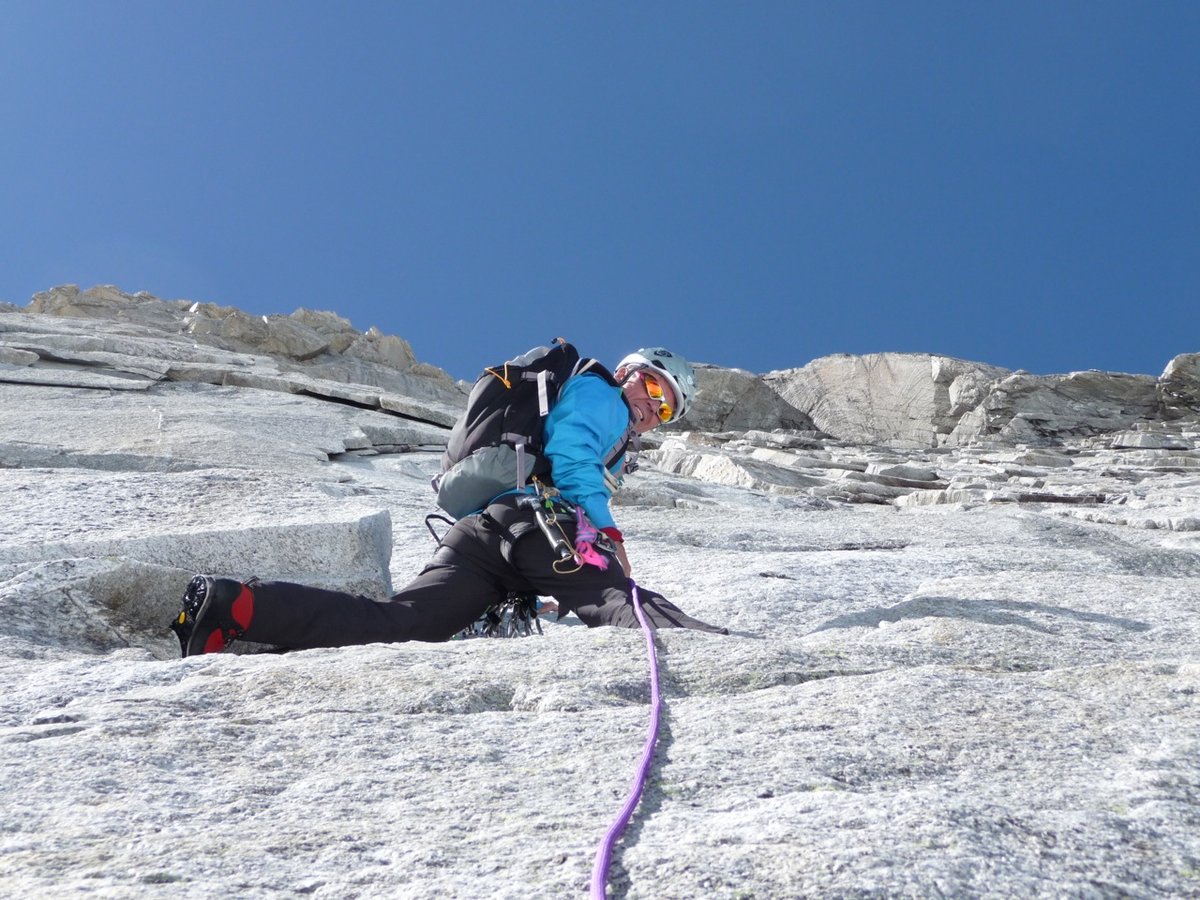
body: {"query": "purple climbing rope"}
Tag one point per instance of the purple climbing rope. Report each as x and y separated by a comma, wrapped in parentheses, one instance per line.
(605, 851)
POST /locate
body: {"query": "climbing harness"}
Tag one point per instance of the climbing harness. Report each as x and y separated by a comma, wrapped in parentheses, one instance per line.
(548, 507)
(605, 851)
(517, 615)
(546, 517)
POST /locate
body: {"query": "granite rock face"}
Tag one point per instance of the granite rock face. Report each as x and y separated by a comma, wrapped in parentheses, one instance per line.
(964, 653)
(736, 400)
(148, 340)
(1179, 386)
(1044, 409)
(920, 400)
(906, 399)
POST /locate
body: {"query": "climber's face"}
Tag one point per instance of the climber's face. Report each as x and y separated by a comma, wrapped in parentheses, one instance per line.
(650, 399)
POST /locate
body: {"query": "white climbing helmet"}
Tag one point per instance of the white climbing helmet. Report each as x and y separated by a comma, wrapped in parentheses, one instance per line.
(675, 370)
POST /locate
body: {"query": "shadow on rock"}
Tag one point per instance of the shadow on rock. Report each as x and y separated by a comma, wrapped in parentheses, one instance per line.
(92, 605)
(987, 612)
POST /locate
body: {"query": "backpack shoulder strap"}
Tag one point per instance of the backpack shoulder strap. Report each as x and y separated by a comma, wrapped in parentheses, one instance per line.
(620, 446)
(594, 367)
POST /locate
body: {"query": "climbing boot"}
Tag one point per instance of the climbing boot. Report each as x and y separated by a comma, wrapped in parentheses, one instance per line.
(216, 612)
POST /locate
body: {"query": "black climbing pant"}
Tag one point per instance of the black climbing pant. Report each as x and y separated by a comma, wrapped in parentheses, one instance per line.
(479, 562)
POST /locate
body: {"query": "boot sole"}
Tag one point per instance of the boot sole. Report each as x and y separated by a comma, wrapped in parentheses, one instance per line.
(188, 620)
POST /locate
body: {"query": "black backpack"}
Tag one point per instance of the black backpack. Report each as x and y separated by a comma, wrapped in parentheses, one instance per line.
(496, 444)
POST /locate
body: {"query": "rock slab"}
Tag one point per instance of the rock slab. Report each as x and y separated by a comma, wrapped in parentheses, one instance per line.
(964, 654)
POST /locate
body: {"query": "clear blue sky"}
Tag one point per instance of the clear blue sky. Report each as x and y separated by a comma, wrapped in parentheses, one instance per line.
(753, 184)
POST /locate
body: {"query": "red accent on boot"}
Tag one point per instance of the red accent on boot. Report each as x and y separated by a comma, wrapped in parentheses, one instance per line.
(243, 608)
(216, 642)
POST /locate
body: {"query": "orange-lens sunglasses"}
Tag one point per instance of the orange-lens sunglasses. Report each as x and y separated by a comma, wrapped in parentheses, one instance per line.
(655, 392)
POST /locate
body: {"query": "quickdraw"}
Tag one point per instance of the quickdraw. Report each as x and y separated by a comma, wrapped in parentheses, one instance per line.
(517, 616)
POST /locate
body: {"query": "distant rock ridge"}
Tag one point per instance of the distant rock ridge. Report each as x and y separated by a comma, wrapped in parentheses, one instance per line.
(901, 400)
(147, 340)
(925, 400)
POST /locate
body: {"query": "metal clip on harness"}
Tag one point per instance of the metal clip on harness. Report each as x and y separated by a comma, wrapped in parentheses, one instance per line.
(544, 513)
(547, 520)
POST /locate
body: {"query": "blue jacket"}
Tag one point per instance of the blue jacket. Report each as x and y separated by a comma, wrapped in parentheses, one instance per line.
(589, 422)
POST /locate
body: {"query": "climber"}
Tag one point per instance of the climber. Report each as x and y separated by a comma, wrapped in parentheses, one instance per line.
(496, 551)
